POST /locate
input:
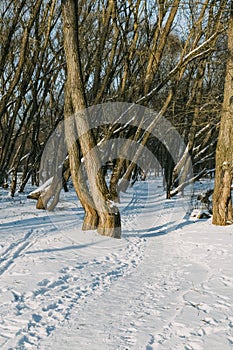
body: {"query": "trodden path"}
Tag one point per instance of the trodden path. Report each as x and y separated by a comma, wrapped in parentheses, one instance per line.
(164, 285)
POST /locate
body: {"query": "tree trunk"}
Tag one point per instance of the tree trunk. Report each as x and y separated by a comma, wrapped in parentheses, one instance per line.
(91, 216)
(222, 200)
(108, 222)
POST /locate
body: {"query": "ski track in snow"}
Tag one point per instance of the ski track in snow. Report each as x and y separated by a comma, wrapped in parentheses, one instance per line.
(13, 251)
(35, 314)
(157, 289)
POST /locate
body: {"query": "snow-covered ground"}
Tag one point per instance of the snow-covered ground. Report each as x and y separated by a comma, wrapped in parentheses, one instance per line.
(167, 284)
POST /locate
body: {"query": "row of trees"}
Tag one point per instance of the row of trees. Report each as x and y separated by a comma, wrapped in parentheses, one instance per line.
(32, 81)
(169, 56)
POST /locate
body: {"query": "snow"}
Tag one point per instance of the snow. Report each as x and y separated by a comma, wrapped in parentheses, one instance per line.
(167, 284)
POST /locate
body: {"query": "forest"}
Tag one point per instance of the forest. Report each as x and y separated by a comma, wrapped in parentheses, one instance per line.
(126, 58)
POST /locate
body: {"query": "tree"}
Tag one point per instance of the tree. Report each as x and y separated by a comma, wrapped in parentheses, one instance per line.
(99, 213)
(222, 199)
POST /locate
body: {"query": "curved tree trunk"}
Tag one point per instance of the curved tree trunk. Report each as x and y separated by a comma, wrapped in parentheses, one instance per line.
(108, 221)
(91, 216)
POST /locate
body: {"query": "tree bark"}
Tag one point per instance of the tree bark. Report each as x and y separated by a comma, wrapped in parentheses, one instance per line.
(222, 199)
